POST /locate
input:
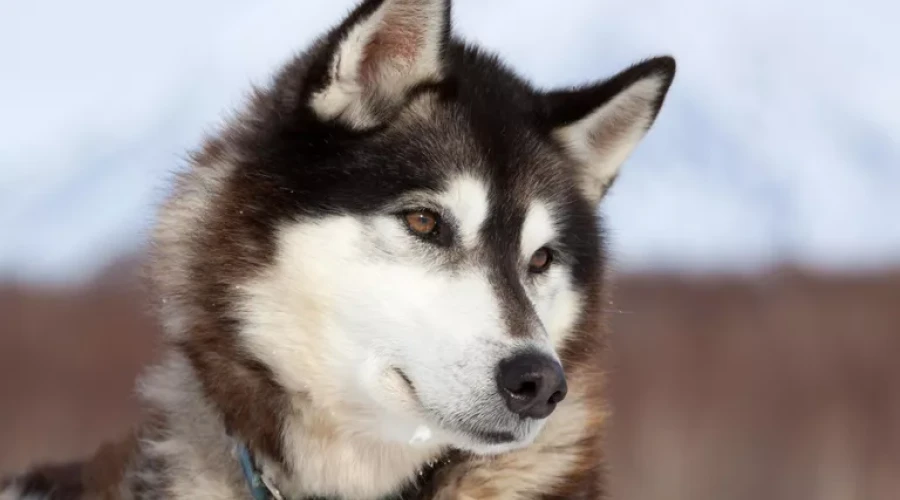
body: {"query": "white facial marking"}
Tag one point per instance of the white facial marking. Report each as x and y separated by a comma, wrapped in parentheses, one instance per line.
(467, 200)
(555, 301)
(558, 305)
(538, 229)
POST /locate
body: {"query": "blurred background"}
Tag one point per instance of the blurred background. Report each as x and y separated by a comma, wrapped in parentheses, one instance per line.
(755, 232)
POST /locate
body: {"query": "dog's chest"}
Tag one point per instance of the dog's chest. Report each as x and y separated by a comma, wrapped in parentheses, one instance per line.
(359, 469)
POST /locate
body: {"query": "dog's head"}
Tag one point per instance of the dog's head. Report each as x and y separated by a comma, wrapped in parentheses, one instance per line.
(401, 231)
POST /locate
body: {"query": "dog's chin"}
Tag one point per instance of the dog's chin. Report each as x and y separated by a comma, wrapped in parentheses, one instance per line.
(479, 446)
(483, 441)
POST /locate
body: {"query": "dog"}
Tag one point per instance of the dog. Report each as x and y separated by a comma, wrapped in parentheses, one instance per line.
(384, 278)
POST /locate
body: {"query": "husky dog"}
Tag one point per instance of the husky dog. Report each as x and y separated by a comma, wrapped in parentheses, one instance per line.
(385, 279)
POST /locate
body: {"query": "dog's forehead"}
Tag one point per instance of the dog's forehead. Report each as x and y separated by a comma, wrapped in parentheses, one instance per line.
(514, 161)
(494, 173)
(495, 177)
(468, 198)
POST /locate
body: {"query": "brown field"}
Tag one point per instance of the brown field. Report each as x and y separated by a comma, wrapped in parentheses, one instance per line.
(777, 386)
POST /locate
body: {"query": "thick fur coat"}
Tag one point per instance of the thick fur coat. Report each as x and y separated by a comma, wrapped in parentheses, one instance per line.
(386, 278)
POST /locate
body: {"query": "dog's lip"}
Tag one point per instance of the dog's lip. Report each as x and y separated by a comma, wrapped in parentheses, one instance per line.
(409, 384)
(405, 378)
(489, 437)
(485, 436)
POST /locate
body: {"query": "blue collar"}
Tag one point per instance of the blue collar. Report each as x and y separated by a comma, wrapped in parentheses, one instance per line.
(260, 489)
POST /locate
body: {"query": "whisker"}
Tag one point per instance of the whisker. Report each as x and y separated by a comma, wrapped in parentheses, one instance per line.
(617, 311)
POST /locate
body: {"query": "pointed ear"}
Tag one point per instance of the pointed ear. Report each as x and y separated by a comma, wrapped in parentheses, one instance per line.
(384, 50)
(600, 125)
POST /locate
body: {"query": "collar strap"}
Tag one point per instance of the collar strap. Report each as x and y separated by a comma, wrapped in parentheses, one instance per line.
(260, 489)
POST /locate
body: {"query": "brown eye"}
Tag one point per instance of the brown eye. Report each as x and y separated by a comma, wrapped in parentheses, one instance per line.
(540, 260)
(422, 222)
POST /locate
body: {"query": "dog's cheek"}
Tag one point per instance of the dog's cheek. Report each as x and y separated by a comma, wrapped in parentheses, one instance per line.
(558, 304)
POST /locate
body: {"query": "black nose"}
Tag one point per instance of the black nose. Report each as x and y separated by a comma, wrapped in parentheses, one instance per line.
(532, 384)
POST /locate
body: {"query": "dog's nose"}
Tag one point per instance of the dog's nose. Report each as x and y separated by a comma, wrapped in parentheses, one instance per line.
(532, 384)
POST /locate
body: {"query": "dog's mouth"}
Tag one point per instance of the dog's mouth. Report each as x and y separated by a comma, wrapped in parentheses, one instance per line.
(472, 430)
(406, 380)
(486, 436)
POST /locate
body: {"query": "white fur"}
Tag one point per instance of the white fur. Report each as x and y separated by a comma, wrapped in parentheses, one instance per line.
(341, 320)
(467, 200)
(393, 74)
(422, 435)
(625, 119)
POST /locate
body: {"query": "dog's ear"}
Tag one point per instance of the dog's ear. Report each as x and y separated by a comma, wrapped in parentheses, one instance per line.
(384, 49)
(600, 125)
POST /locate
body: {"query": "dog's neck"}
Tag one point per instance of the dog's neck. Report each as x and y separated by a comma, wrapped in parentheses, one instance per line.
(323, 455)
(261, 486)
(320, 459)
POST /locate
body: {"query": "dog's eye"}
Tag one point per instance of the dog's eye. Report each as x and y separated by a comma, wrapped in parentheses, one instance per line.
(540, 260)
(422, 222)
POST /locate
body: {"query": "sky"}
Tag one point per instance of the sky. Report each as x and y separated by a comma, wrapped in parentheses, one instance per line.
(780, 139)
